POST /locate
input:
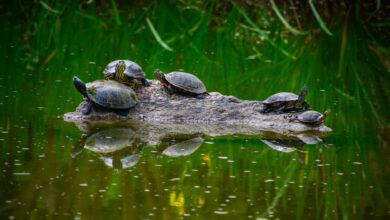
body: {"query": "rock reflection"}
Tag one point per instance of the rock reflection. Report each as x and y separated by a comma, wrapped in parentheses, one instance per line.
(120, 144)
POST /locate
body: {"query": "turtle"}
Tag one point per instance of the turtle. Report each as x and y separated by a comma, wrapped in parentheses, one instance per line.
(286, 102)
(313, 117)
(125, 71)
(106, 94)
(183, 83)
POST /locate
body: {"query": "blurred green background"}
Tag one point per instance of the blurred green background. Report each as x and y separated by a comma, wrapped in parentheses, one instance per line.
(249, 49)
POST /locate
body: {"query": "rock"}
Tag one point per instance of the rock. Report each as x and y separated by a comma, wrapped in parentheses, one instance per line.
(227, 113)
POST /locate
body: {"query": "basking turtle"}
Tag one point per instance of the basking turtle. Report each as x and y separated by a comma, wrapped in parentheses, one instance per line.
(125, 71)
(313, 117)
(180, 82)
(286, 102)
(106, 94)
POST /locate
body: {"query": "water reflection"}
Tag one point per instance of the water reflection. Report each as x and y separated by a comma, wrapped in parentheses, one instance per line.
(183, 148)
(115, 161)
(120, 144)
(121, 147)
(285, 146)
(309, 138)
(288, 144)
(111, 140)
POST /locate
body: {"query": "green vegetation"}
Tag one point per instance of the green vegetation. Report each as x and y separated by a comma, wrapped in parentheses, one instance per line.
(340, 51)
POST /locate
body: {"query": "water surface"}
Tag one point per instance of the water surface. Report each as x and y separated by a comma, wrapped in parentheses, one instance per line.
(47, 172)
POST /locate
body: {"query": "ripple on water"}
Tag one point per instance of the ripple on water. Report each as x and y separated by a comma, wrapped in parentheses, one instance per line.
(22, 174)
(220, 212)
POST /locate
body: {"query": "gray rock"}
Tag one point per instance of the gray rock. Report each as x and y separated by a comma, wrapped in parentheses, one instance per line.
(216, 114)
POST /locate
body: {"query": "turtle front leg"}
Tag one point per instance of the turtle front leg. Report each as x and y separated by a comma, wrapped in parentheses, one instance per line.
(122, 112)
(170, 90)
(87, 111)
(202, 96)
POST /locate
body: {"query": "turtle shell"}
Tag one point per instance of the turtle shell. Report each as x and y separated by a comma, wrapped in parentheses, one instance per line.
(186, 82)
(111, 94)
(133, 70)
(310, 117)
(281, 97)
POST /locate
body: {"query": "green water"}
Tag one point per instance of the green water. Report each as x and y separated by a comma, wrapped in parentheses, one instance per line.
(45, 172)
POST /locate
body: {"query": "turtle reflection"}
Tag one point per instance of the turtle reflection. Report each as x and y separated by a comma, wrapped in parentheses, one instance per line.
(111, 140)
(120, 148)
(309, 139)
(291, 144)
(180, 145)
(118, 162)
(285, 146)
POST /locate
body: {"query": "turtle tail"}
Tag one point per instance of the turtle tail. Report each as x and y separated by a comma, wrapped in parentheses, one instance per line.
(80, 86)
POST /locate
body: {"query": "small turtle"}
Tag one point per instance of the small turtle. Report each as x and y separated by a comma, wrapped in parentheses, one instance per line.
(180, 82)
(313, 117)
(286, 102)
(106, 94)
(125, 71)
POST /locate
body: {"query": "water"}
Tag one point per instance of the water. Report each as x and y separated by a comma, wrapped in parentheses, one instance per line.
(47, 172)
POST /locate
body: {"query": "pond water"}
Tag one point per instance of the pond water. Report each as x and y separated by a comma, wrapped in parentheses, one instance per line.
(52, 168)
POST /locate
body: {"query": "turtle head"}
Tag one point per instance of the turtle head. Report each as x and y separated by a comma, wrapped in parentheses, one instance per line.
(326, 113)
(120, 67)
(159, 74)
(108, 76)
(302, 94)
(80, 86)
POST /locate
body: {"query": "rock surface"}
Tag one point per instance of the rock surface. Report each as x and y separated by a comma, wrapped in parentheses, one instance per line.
(216, 115)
